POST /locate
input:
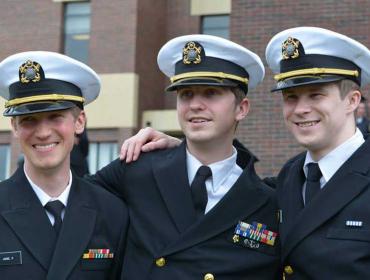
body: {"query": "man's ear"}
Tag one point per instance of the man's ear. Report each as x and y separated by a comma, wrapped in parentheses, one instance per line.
(354, 99)
(13, 123)
(242, 109)
(80, 122)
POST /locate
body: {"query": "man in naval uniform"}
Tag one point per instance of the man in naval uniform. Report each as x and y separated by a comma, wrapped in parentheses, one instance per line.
(199, 211)
(53, 224)
(324, 192)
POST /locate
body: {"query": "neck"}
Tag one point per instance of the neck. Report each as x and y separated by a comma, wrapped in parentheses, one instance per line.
(51, 181)
(208, 153)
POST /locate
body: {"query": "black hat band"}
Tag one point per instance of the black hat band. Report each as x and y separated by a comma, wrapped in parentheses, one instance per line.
(211, 67)
(318, 65)
(44, 90)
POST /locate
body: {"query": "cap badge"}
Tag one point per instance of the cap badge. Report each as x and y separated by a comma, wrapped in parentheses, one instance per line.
(191, 53)
(30, 71)
(290, 48)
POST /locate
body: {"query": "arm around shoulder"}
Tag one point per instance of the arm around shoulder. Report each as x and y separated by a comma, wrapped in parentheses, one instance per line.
(110, 177)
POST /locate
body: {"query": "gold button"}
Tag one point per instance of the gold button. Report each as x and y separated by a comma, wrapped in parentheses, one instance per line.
(288, 269)
(209, 276)
(160, 262)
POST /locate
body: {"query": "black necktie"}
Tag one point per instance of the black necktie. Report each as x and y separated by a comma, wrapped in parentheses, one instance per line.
(55, 208)
(312, 181)
(199, 190)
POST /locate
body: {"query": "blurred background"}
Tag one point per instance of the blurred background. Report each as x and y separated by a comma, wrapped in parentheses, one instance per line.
(120, 39)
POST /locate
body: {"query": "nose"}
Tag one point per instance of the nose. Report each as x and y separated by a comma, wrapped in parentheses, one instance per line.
(43, 130)
(197, 102)
(302, 106)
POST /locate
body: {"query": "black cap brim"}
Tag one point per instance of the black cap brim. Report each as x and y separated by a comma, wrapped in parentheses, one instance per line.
(305, 81)
(205, 82)
(38, 107)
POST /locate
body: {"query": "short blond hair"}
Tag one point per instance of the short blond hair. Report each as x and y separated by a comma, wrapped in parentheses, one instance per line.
(346, 86)
(238, 93)
(75, 111)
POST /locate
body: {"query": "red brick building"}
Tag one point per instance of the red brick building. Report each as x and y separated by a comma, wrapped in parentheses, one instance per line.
(120, 39)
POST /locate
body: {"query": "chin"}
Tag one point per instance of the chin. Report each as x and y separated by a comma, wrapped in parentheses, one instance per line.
(48, 164)
(198, 139)
(303, 142)
(311, 146)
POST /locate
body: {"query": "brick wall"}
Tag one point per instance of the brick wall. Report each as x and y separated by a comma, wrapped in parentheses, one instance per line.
(29, 25)
(151, 35)
(113, 36)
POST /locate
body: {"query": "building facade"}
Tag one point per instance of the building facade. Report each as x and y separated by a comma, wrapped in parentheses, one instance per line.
(120, 39)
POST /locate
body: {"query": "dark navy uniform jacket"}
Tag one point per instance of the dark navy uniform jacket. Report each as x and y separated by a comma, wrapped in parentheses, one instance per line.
(318, 241)
(94, 219)
(166, 241)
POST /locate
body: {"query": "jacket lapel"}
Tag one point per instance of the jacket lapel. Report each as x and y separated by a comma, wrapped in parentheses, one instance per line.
(291, 198)
(29, 220)
(347, 183)
(77, 229)
(171, 176)
(242, 200)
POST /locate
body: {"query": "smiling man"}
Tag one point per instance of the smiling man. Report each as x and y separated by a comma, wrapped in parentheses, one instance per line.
(53, 224)
(324, 193)
(199, 211)
(320, 116)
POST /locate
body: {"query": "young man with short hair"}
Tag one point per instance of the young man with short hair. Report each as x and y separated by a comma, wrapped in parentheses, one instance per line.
(323, 193)
(199, 211)
(53, 224)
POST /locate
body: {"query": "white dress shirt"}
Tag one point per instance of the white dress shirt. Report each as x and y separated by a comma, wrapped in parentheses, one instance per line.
(224, 174)
(330, 163)
(45, 198)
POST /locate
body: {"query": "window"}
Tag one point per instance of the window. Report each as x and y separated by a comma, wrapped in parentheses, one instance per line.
(216, 25)
(77, 30)
(100, 154)
(4, 161)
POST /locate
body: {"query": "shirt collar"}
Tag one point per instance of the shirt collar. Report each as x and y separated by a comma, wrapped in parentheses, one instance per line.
(330, 163)
(220, 169)
(45, 198)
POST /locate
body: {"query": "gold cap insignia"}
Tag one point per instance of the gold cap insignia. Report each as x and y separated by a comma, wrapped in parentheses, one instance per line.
(290, 48)
(191, 53)
(29, 71)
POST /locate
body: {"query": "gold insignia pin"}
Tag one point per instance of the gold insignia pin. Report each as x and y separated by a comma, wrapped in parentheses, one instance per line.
(191, 53)
(30, 71)
(290, 48)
